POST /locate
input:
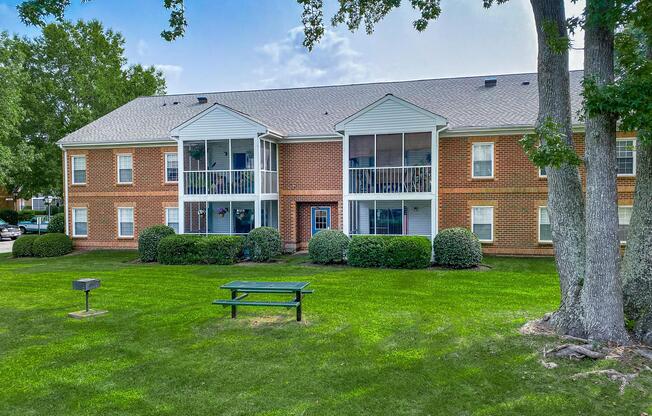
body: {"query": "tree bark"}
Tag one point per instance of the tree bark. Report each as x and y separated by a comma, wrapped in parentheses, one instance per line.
(565, 196)
(601, 293)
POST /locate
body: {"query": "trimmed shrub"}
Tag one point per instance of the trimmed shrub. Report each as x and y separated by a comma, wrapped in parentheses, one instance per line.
(328, 246)
(26, 214)
(220, 249)
(57, 224)
(148, 240)
(457, 248)
(23, 247)
(52, 245)
(408, 252)
(9, 215)
(178, 249)
(263, 244)
(367, 250)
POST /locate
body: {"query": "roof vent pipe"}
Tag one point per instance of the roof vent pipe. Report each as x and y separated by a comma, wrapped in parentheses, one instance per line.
(202, 100)
(490, 82)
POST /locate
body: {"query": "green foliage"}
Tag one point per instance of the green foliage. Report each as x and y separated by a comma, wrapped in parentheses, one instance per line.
(457, 248)
(57, 223)
(27, 214)
(52, 245)
(263, 244)
(408, 252)
(23, 246)
(328, 246)
(220, 249)
(178, 249)
(547, 146)
(148, 240)
(367, 250)
(9, 215)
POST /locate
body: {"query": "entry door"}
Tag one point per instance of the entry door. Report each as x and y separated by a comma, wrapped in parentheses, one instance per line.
(320, 219)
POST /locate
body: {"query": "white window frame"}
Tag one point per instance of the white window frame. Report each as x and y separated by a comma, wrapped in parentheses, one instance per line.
(493, 160)
(539, 225)
(72, 164)
(493, 220)
(630, 220)
(167, 217)
(74, 221)
(165, 173)
(117, 165)
(633, 140)
(133, 221)
(542, 176)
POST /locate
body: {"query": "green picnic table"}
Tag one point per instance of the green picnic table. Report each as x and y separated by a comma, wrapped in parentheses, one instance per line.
(241, 289)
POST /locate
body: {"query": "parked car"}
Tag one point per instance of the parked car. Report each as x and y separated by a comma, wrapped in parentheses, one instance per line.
(34, 225)
(9, 231)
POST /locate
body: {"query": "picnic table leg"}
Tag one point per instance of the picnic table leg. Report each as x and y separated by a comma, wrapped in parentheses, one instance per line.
(297, 298)
(234, 313)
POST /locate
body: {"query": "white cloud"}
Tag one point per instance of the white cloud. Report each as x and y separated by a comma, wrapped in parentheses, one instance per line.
(142, 47)
(171, 72)
(287, 63)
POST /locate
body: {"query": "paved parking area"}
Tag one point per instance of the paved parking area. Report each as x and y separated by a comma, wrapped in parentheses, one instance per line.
(5, 246)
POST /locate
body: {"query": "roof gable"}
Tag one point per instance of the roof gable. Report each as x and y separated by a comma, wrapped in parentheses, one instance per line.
(219, 121)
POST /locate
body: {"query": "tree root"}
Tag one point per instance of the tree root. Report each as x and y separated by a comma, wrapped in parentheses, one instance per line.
(576, 352)
(611, 374)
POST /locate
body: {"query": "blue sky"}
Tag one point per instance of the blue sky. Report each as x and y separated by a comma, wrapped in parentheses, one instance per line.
(248, 44)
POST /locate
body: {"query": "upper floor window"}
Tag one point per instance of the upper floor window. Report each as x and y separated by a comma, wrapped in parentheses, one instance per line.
(171, 167)
(545, 229)
(482, 222)
(125, 222)
(625, 157)
(78, 170)
(125, 169)
(543, 173)
(268, 167)
(483, 160)
(624, 217)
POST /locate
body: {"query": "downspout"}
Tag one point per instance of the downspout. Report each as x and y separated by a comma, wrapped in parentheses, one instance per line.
(435, 201)
(65, 187)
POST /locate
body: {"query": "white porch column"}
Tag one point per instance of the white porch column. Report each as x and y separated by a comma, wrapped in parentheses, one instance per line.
(257, 180)
(180, 185)
(345, 183)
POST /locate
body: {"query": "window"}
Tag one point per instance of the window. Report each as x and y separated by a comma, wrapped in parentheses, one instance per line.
(171, 167)
(482, 220)
(361, 151)
(125, 169)
(625, 160)
(624, 216)
(483, 160)
(38, 203)
(80, 222)
(78, 170)
(542, 173)
(125, 222)
(545, 229)
(269, 213)
(399, 217)
(172, 218)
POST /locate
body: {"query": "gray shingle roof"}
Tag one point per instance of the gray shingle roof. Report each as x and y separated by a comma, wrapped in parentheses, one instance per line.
(312, 111)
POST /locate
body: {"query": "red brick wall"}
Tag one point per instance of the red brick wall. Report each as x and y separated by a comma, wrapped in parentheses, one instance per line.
(102, 195)
(310, 174)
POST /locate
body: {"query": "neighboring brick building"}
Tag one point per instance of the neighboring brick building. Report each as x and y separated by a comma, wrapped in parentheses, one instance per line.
(405, 158)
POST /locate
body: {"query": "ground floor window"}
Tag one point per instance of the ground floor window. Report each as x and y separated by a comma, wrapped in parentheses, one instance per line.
(269, 213)
(80, 222)
(545, 229)
(396, 217)
(624, 216)
(482, 221)
(125, 222)
(172, 218)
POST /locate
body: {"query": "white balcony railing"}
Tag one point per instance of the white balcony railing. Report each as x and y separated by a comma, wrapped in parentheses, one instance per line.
(390, 180)
(219, 182)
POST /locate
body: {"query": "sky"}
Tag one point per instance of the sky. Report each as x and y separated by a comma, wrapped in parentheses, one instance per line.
(254, 44)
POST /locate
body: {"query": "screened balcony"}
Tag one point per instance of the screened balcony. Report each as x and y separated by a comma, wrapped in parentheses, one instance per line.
(397, 217)
(390, 163)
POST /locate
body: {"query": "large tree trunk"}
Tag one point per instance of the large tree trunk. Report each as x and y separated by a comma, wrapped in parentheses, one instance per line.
(565, 196)
(602, 293)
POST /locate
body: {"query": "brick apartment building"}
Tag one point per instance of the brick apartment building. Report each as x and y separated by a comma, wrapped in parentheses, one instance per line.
(400, 158)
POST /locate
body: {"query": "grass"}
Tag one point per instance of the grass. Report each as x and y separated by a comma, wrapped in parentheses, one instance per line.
(375, 342)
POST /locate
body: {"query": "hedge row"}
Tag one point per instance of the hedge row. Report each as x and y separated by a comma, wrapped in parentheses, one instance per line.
(46, 245)
(397, 252)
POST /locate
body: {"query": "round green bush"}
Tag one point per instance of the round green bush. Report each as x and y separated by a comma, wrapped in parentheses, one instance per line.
(408, 252)
(57, 223)
(328, 246)
(367, 250)
(178, 249)
(52, 245)
(457, 248)
(23, 247)
(263, 244)
(27, 214)
(220, 249)
(148, 240)
(9, 215)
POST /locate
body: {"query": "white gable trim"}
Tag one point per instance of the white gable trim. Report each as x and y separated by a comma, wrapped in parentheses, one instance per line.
(261, 128)
(437, 119)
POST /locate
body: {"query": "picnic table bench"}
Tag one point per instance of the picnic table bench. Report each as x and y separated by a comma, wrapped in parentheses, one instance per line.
(242, 289)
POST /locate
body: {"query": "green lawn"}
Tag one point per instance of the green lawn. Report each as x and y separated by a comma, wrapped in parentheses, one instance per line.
(374, 342)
